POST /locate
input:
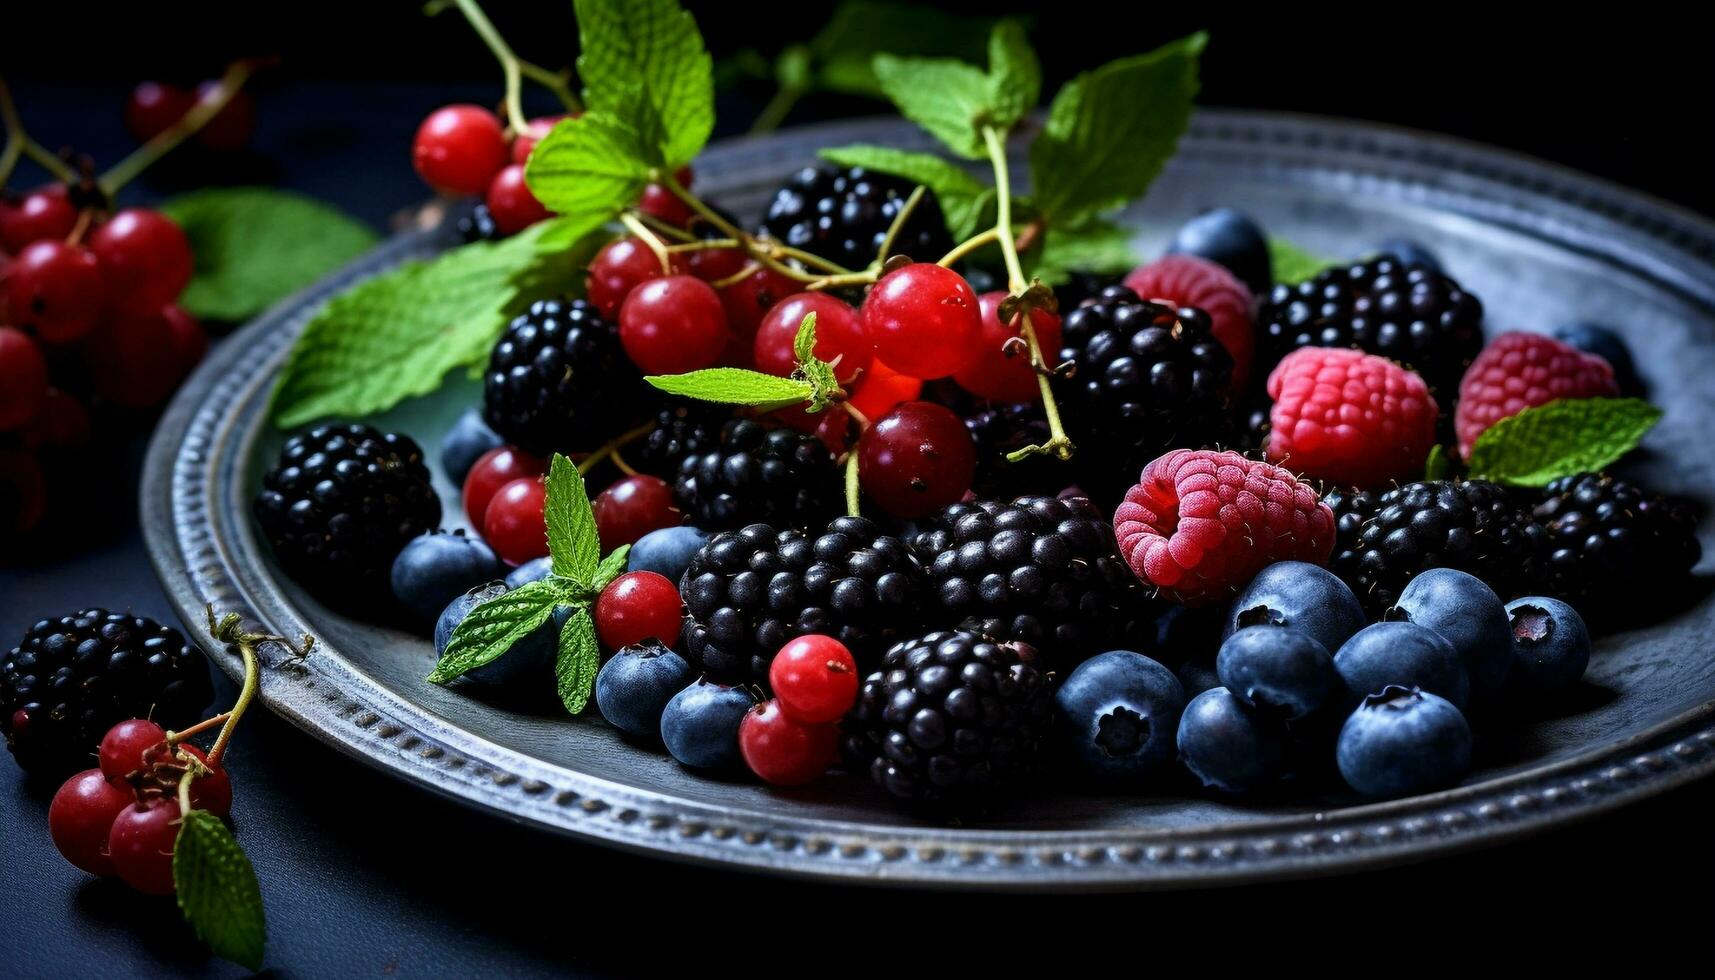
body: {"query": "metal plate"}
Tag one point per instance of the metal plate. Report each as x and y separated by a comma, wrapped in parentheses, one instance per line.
(1538, 244)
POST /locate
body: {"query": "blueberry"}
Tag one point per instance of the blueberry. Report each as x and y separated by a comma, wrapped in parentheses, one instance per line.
(1230, 745)
(634, 686)
(1119, 712)
(1593, 338)
(1462, 608)
(1409, 252)
(1402, 741)
(1550, 645)
(700, 725)
(529, 665)
(465, 443)
(1196, 675)
(1231, 239)
(667, 551)
(1403, 655)
(534, 570)
(1279, 669)
(432, 570)
(1303, 596)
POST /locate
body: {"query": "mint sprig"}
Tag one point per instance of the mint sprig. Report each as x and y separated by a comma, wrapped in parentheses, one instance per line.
(643, 62)
(573, 546)
(1562, 438)
(578, 661)
(217, 889)
(813, 385)
(956, 101)
(840, 57)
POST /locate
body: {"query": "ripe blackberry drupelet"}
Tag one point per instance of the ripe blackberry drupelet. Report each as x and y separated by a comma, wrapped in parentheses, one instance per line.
(682, 429)
(843, 216)
(559, 381)
(341, 502)
(1041, 570)
(759, 476)
(73, 678)
(478, 226)
(1411, 314)
(1004, 429)
(749, 591)
(1613, 545)
(950, 716)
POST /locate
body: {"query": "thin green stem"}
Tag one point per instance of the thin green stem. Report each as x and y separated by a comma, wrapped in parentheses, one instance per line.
(703, 245)
(854, 501)
(810, 259)
(776, 111)
(173, 738)
(1003, 209)
(162, 143)
(650, 239)
(986, 237)
(19, 144)
(899, 221)
(509, 65)
(246, 694)
(619, 442)
(556, 82)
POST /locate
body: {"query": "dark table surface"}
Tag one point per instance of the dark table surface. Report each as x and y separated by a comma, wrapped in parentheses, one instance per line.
(363, 876)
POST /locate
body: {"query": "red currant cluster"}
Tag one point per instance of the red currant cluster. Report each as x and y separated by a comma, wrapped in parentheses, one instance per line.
(155, 107)
(793, 738)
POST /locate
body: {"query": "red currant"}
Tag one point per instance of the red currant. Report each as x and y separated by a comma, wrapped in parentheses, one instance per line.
(212, 792)
(23, 378)
(714, 264)
(815, 679)
(782, 751)
(924, 320)
(61, 421)
(57, 289)
(141, 843)
(638, 606)
(534, 130)
(514, 524)
(916, 459)
(136, 359)
(491, 471)
(621, 266)
(23, 494)
(633, 507)
(748, 299)
(153, 107)
(672, 325)
(839, 335)
(231, 127)
(81, 817)
(1001, 371)
(459, 149)
(882, 388)
(510, 202)
(122, 748)
(45, 212)
(145, 259)
(662, 204)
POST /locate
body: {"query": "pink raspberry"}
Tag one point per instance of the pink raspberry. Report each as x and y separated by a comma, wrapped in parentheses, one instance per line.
(1200, 524)
(1349, 418)
(1517, 371)
(1187, 280)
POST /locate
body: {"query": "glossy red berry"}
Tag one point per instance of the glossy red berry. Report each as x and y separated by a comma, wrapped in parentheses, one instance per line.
(514, 523)
(672, 325)
(747, 300)
(815, 679)
(57, 289)
(123, 746)
(916, 459)
(840, 336)
(510, 202)
(43, 213)
(141, 843)
(459, 149)
(491, 471)
(81, 816)
(153, 107)
(924, 320)
(638, 606)
(1001, 370)
(23, 493)
(714, 264)
(231, 127)
(534, 130)
(621, 266)
(62, 421)
(145, 258)
(782, 751)
(633, 507)
(212, 792)
(23, 378)
(136, 359)
(662, 204)
(881, 388)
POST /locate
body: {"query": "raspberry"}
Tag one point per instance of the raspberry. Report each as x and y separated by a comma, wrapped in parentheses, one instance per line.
(1522, 370)
(1200, 524)
(1187, 280)
(1349, 418)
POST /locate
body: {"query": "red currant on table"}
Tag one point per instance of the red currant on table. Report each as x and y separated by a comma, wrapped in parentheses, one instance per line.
(153, 107)
(916, 459)
(124, 745)
(459, 149)
(57, 289)
(212, 792)
(514, 524)
(924, 320)
(633, 507)
(510, 202)
(231, 127)
(81, 817)
(491, 471)
(620, 267)
(748, 299)
(839, 335)
(638, 606)
(141, 844)
(673, 325)
(145, 259)
(534, 130)
(136, 359)
(46, 212)
(23, 378)
(782, 751)
(815, 679)
(998, 374)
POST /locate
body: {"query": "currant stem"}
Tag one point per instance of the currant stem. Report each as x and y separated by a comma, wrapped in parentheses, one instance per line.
(899, 221)
(557, 82)
(649, 238)
(775, 112)
(174, 738)
(854, 506)
(759, 251)
(622, 440)
(19, 143)
(246, 694)
(509, 65)
(985, 237)
(162, 143)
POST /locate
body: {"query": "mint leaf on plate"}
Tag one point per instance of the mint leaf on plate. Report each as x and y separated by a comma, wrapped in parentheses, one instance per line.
(594, 166)
(493, 627)
(572, 541)
(1291, 264)
(643, 61)
(966, 202)
(843, 51)
(956, 101)
(217, 890)
(735, 386)
(1562, 438)
(1095, 246)
(255, 246)
(579, 658)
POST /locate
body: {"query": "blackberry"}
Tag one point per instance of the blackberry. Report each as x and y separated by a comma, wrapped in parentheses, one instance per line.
(340, 503)
(1473, 526)
(1004, 429)
(1040, 570)
(559, 381)
(759, 476)
(950, 716)
(1412, 314)
(843, 216)
(1078, 288)
(1148, 378)
(73, 678)
(1612, 545)
(478, 226)
(749, 591)
(683, 428)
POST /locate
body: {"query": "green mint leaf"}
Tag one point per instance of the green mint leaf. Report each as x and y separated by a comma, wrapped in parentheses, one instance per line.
(1439, 466)
(572, 540)
(395, 336)
(843, 51)
(255, 246)
(1015, 76)
(804, 341)
(579, 659)
(1291, 264)
(819, 373)
(644, 62)
(1110, 131)
(955, 101)
(595, 164)
(735, 386)
(1095, 246)
(611, 567)
(491, 629)
(1561, 438)
(966, 202)
(217, 890)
